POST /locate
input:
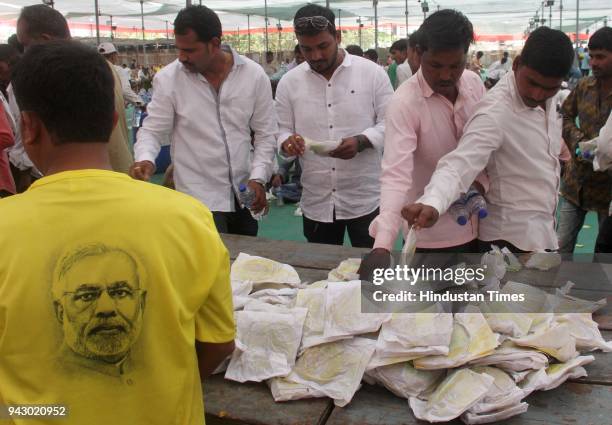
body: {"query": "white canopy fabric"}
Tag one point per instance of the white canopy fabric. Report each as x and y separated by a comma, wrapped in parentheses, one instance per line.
(488, 16)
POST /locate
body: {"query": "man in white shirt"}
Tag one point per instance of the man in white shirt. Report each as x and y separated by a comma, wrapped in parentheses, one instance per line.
(109, 52)
(208, 101)
(515, 135)
(399, 53)
(603, 161)
(334, 96)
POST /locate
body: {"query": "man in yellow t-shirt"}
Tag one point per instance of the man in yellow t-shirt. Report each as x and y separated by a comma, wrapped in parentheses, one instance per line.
(115, 299)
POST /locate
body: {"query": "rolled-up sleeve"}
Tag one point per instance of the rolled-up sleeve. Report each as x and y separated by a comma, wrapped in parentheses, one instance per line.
(158, 124)
(263, 123)
(383, 92)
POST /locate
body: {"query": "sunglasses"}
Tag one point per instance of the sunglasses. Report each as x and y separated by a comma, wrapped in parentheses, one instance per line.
(316, 22)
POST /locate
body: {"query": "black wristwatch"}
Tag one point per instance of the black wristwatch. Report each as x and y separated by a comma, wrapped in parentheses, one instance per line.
(362, 143)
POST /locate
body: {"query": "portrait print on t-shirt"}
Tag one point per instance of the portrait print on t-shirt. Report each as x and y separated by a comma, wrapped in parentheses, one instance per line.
(99, 302)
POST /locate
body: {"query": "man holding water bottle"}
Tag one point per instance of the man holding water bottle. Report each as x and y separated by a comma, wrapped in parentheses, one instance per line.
(209, 101)
(424, 122)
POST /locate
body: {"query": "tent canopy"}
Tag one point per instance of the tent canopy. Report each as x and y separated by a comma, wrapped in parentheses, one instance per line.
(488, 16)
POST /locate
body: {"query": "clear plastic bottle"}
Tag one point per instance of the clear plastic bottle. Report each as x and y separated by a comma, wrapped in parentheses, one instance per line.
(475, 204)
(459, 212)
(246, 196)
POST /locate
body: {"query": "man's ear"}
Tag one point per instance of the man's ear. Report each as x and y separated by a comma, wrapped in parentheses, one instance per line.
(419, 51)
(115, 119)
(338, 37)
(31, 127)
(59, 311)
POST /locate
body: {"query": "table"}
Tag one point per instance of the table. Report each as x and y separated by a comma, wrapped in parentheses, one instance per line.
(585, 401)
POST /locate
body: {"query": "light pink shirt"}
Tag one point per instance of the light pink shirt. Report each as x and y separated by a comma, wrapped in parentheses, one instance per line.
(422, 127)
(519, 146)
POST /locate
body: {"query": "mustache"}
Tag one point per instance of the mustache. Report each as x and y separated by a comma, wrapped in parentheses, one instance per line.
(105, 325)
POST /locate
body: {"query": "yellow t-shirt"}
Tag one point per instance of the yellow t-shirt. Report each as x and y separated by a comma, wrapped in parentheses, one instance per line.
(105, 284)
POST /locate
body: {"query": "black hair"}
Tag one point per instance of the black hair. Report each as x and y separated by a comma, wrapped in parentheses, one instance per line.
(14, 42)
(413, 39)
(601, 39)
(446, 29)
(201, 20)
(8, 54)
(371, 54)
(311, 10)
(71, 89)
(354, 49)
(269, 53)
(549, 52)
(399, 45)
(41, 19)
(479, 54)
(296, 49)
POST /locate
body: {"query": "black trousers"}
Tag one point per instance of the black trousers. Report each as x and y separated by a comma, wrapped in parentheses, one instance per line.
(471, 247)
(604, 238)
(239, 222)
(333, 233)
(485, 246)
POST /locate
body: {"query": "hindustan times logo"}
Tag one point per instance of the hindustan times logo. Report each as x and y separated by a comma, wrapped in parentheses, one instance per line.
(412, 275)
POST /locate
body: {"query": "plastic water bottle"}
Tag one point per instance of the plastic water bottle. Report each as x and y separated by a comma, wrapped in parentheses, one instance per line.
(476, 204)
(459, 212)
(246, 196)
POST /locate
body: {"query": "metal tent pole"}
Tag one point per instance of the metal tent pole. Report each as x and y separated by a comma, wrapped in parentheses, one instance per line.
(406, 18)
(249, 33)
(577, 19)
(266, 24)
(97, 22)
(375, 3)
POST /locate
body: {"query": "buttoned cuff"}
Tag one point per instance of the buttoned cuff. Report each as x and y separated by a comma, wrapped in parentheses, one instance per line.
(375, 138)
(259, 174)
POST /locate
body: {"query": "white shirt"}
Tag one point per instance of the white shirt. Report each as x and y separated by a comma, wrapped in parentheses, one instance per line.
(603, 154)
(519, 146)
(352, 102)
(211, 133)
(497, 69)
(128, 93)
(403, 72)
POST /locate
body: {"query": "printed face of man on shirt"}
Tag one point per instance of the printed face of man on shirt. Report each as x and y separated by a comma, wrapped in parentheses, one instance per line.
(443, 69)
(320, 50)
(194, 54)
(100, 305)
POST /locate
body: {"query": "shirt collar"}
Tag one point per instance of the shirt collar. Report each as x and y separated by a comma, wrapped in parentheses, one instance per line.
(427, 91)
(517, 102)
(238, 59)
(424, 86)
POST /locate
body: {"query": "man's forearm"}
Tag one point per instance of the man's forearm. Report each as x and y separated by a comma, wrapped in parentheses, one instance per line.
(211, 355)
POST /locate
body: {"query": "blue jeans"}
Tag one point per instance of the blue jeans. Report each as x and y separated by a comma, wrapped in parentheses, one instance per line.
(571, 220)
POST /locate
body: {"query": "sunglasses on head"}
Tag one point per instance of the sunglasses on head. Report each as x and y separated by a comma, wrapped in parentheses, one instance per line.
(316, 22)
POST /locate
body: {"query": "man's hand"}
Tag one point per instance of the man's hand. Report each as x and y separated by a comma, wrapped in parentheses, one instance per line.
(142, 170)
(378, 258)
(277, 180)
(260, 196)
(420, 215)
(294, 146)
(347, 149)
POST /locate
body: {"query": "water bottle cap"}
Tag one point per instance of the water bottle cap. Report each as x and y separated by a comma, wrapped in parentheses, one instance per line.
(462, 220)
(242, 187)
(483, 213)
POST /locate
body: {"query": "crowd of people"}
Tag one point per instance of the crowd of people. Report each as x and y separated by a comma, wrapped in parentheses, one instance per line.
(119, 289)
